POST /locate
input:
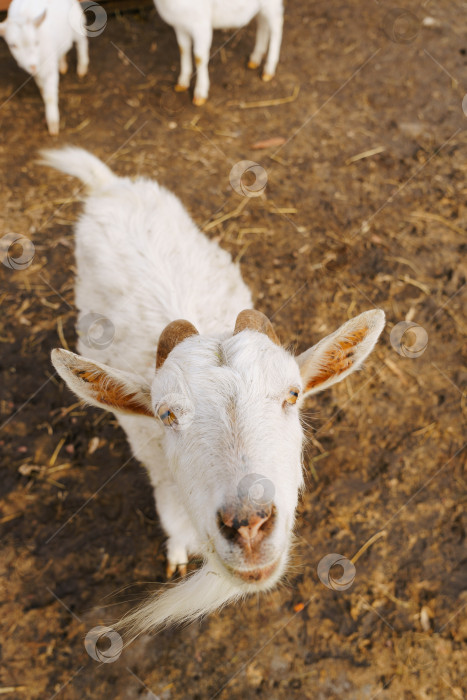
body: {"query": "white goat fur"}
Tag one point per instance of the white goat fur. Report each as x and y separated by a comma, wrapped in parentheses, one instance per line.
(39, 34)
(142, 263)
(194, 22)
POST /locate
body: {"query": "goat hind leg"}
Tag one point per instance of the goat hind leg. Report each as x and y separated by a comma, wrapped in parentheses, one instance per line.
(261, 44)
(83, 55)
(275, 21)
(202, 45)
(186, 66)
(63, 64)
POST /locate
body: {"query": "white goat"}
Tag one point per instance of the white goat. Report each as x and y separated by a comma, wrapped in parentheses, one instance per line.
(194, 22)
(213, 415)
(39, 34)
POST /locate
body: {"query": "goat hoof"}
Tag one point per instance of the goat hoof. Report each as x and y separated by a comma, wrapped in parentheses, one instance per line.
(253, 65)
(173, 568)
(199, 101)
(82, 72)
(180, 88)
(266, 77)
(53, 128)
(170, 570)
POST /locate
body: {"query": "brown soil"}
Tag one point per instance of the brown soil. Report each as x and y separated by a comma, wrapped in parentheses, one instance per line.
(332, 235)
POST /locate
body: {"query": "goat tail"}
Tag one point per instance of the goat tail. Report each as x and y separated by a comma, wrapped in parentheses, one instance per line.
(78, 163)
(201, 593)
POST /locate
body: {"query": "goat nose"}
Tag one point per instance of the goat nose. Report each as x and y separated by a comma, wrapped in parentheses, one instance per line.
(245, 525)
(249, 531)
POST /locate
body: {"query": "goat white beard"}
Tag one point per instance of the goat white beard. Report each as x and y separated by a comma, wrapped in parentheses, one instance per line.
(200, 594)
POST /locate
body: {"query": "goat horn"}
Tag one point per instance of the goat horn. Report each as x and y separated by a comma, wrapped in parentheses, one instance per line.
(172, 335)
(252, 320)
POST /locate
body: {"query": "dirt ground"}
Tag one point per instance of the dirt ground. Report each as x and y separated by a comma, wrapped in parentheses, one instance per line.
(365, 205)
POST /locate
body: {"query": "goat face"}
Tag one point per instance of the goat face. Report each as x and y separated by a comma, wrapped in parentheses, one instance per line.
(232, 432)
(234, 440)
(23, 40)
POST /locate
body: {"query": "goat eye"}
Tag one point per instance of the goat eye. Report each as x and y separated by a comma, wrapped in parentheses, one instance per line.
(167, 416)
(292, 396)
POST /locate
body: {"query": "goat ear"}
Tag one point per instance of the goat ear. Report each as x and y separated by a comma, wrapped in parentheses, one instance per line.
(3, 28)
(101, 385)
(341, 353)
(38, 21)
(252, 320)
(172, 335)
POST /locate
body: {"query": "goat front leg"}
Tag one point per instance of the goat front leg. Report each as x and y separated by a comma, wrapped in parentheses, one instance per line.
(275, 21)
(261, 44)
(48, 85)
(147, 444)
(186, 66)
(202, 46)
(182, 538)
(146, 441)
